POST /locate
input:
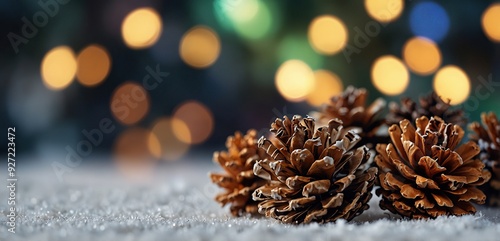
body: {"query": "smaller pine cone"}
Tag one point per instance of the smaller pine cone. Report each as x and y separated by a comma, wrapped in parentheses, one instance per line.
(423, 174)
(238, 180)
(313, 174)
(430, 105)
(350, 107)
(488, 138)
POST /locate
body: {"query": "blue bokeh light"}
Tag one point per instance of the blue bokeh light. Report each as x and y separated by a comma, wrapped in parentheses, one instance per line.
(429, 19)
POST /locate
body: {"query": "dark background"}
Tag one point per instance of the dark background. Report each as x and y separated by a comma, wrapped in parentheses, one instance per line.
(238, 88)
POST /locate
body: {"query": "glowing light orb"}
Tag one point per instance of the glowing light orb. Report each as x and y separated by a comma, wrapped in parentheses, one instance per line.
(327, 34)
(200, 47)
(389, 75)
(294, 80)
(58, 68)
(141, 28)
(452, 83)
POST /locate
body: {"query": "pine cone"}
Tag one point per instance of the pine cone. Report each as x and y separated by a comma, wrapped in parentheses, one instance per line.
(239, 180)
(313, 175)
(430, 105)
(350, 107)
(488, 138)
(423, 174)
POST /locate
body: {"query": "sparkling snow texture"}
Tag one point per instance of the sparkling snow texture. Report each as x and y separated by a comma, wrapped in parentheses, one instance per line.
(178, 205)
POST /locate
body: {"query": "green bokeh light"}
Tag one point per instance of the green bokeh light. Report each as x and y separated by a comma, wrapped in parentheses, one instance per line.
(296, 46)
(250, 19)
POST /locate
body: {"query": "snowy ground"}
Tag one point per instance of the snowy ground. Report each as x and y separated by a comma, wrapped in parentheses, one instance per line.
(177, 205)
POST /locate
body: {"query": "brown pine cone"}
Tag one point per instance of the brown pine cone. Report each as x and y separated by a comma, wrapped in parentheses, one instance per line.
(350, 107)
(423, 174)
(238, 180)
(488, 138)
(430, 105)
(313, 174)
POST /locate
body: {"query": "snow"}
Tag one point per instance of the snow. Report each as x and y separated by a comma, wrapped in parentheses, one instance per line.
(99, 204)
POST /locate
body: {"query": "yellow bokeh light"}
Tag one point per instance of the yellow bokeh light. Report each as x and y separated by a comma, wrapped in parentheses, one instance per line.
(422, 55)
(389, 75)
(94, 64)
(490, 22)
(294, 80)
(327, 34)
(384, 11)
(451, 83)
(326, 85)
(200, 47)
(130, 103)
(141, 28)
(195, 122)
(58, 67)
(132, 155)
(163, 141)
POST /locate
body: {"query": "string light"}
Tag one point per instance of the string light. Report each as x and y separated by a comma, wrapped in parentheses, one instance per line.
(422, 55)
(490, 22)
(327, 34)
(198, 120)
(58, 68)
(141, 28)
(130, 103)
(294, 80)
(389, 75)
(326, 85)
(200, 47)
(384, 11)
(451, 83)
(163, 141)
(94, 64)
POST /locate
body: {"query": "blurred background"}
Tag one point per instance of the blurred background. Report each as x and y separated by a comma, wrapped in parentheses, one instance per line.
(137, 84)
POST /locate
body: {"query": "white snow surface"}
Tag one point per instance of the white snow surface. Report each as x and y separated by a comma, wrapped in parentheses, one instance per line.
(177, 204)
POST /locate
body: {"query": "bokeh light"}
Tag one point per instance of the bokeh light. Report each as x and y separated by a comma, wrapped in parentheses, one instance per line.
(200, 47)
(141, 28)
(491, 22)
(389, 75)
(58, 67)
(326, 85)
(163, 141)
(132, 154)
(327, 34)
(384, 11)
(251, 19)
(198, 119)
(422, 55)
(294, 80)
(296, 46)
(430, 20)
(130, 103)
(452, 83)
(94, 64)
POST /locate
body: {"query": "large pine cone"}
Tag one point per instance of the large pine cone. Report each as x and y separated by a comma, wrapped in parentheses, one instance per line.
(313, 175)
(350, 107)
(238, 179)
(430, 105)
(423, 174)
(488, 138)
